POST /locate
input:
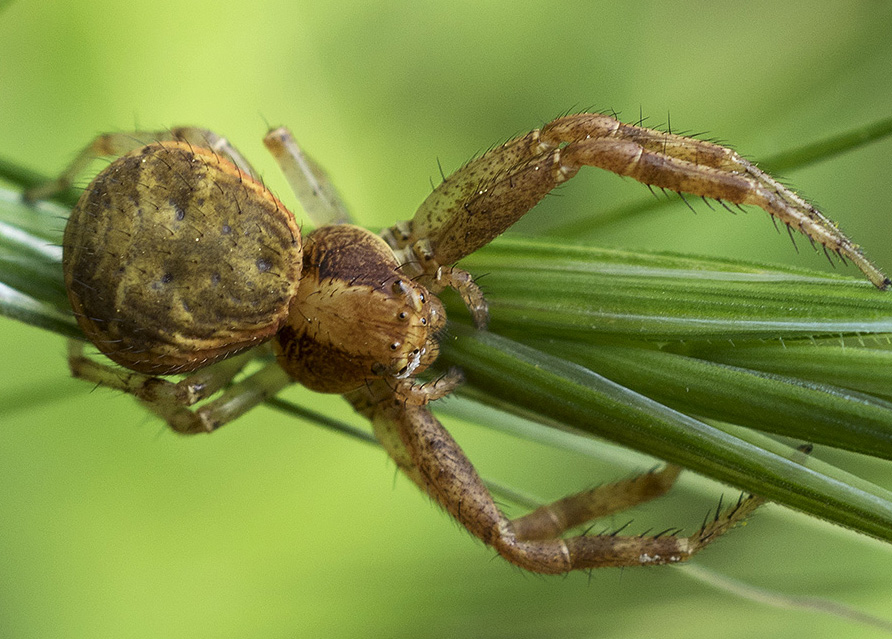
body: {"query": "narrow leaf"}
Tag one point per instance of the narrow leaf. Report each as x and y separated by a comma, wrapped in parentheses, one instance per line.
(560, 390)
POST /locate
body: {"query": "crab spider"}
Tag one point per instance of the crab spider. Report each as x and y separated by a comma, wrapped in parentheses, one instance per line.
(179, 261)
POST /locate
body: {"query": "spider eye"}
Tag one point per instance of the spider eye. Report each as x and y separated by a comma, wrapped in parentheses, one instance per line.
(394, 346)
(403, 315)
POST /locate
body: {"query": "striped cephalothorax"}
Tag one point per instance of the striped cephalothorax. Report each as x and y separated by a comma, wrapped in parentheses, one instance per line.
(178, 259)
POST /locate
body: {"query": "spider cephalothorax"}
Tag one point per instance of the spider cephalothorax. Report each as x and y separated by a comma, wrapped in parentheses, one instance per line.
(356, 317)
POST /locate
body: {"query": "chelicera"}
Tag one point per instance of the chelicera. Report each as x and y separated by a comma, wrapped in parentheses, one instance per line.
(178, 260)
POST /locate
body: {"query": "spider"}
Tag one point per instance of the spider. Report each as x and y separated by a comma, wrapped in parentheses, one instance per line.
(179, 261)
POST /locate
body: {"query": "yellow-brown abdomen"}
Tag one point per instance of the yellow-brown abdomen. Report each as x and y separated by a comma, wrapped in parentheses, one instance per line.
(174, 259)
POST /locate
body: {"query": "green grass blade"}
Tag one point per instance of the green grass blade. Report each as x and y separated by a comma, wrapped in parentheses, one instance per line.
(807, 411)
(560, 390)
(21, 307)
(844, 363)
(827, 148)
(543, 288)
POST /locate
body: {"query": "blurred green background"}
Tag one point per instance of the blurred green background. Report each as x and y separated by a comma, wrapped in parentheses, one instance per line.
(110, 526)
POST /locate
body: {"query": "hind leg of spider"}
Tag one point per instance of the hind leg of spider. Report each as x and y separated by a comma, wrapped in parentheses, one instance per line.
(485, 197)
(172, 401)
(554, 519)
(117, 144)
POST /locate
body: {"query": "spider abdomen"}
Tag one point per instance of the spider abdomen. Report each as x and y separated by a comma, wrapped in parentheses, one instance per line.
(174, 259)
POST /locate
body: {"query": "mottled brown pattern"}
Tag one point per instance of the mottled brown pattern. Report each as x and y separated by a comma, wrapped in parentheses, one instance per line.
(350, 253)
(174, 259)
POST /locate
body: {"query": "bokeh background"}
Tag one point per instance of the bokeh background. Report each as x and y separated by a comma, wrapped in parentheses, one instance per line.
(110, 526)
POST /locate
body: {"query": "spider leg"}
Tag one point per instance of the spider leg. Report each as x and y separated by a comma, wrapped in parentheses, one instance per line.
(116, 144)
(698, 167)
(417, 393)
(172, 400)
(310, 183)
(489, 194)
(552, 520)
(426, 453)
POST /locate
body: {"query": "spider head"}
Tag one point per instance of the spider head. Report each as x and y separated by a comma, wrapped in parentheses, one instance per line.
(356, 317)
(419, 321)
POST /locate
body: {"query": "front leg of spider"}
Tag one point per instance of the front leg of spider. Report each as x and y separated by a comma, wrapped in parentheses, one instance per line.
(489, 194)
(425, 452)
